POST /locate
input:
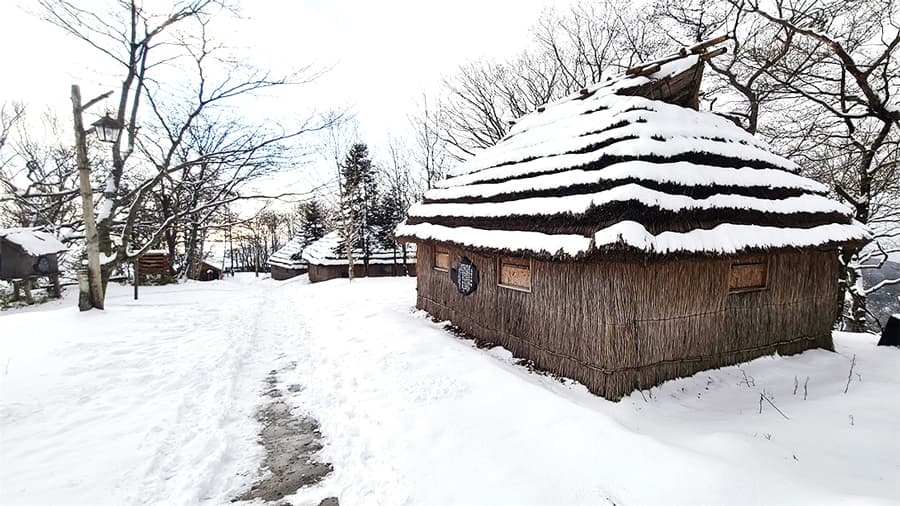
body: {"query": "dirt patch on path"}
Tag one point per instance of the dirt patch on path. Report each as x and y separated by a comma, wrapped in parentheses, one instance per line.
(291, 444)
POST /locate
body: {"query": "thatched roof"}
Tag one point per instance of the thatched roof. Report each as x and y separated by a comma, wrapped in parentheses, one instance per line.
(289, 256)
(329, 250)
(33, 241)
(611, 170)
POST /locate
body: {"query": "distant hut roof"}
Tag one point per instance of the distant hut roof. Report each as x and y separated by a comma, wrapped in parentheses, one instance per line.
(289, 256)
(329, 250)
(609, 169)
(33, 241)
(207, 264)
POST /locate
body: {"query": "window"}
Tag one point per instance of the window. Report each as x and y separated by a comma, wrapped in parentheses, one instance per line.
(441, 259)
(515, 273)
(748, 274)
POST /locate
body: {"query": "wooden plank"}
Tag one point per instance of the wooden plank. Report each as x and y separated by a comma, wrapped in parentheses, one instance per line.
(515, 272)
(746, 275)
(442, 260)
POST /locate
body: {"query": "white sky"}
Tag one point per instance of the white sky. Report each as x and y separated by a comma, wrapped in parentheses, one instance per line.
(383, 54)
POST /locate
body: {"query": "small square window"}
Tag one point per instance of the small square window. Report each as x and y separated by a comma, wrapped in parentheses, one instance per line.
(748, 274)
(515, 273)
(441, 259)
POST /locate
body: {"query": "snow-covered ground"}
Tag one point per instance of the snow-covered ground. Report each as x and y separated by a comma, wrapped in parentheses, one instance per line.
(152, 402)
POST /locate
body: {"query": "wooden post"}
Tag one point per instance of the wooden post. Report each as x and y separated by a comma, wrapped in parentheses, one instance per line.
(57, 291)
(15, 296)
(92, 240)
(84, 292)
(137, 276)
(26, 286)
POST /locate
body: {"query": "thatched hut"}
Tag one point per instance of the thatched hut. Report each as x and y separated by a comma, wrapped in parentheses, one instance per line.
(288, 261)
(622, 238)
(205, 271)
(27, 254)
(327, 260)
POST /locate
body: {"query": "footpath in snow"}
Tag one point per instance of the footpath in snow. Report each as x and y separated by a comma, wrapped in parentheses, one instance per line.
(154, 402)
(148, 402)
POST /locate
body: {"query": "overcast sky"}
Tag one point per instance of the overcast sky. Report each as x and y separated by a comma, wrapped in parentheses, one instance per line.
(382, 54)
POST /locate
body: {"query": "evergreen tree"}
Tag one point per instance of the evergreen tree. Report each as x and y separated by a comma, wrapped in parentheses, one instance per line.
(312, 221)
(359, 197)
(389, 212)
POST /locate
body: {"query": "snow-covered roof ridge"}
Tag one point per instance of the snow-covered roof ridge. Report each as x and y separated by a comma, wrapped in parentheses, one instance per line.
(627, 128)
(329, 251)
(289, 256)
(34, 241)
(632, 159)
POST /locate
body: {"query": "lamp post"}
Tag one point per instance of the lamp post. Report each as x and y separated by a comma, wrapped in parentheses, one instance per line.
(108, 131)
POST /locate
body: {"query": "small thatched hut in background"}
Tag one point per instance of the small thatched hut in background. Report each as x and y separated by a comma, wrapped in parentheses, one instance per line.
(288, 261)
(622, 238)
(328, 260)
(27, 254)
(205, 271)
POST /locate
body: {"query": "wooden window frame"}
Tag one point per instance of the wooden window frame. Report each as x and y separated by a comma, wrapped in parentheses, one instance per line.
(518, 261)
(440, 251)
(745, 263)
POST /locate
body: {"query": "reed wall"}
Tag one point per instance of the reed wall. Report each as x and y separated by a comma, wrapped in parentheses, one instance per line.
(280, 273)
(325, 272)
(617, 326)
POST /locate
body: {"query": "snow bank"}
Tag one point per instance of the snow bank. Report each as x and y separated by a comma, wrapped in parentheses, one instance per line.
(152, 402)
(148, 402)
(414, 415)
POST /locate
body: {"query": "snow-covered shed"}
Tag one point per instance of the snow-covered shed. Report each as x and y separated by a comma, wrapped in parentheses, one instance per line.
(288, 261)
(28, 253)
(204, 270)
(622, 238)
(327, 260)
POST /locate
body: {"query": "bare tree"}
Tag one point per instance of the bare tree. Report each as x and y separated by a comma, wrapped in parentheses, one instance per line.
(37, 174)
(739, 83)
(339, 137)
(143, 43)
(430, 150)
(593, 41)
(585, 45)
(844, 71)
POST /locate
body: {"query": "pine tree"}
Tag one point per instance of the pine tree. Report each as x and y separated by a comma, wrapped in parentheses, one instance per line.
(359, 196)
(312, 221)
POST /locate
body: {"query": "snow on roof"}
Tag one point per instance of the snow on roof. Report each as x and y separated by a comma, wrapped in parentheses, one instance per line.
(727, 238)
(33, 241)
(289, 256)
(628, 164)
(329, 250)
(581, 203)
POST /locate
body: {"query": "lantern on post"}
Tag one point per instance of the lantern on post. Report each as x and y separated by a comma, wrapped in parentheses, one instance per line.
(107, 128)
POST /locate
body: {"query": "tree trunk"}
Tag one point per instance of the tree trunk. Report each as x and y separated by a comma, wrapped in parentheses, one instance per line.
(854, 310)
(187, 270)
(95, 275)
